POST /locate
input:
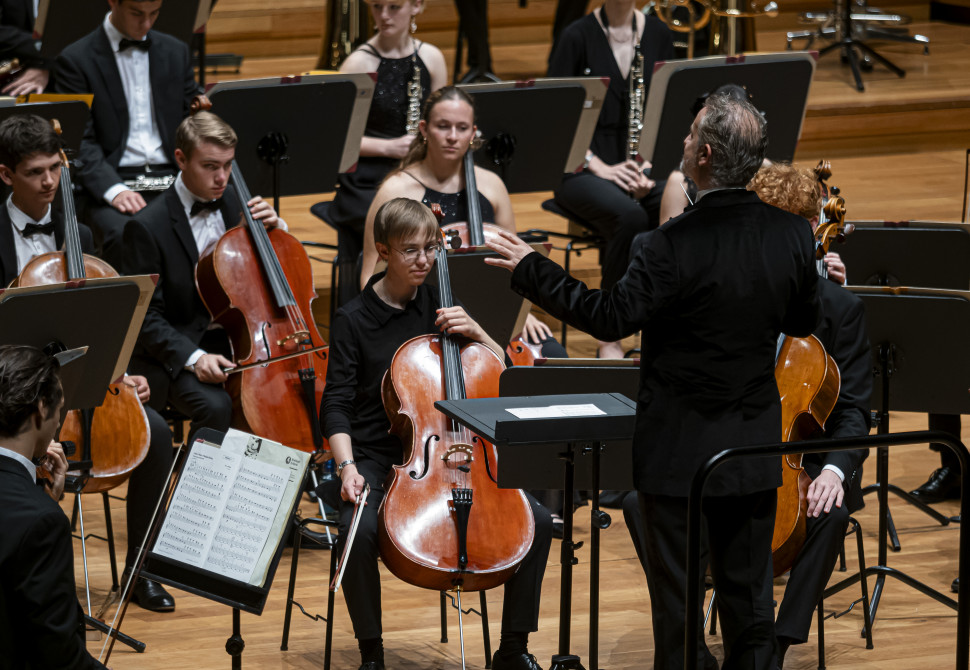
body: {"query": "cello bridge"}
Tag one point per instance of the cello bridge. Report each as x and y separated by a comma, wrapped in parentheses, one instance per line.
(300, 337)
(465, 449)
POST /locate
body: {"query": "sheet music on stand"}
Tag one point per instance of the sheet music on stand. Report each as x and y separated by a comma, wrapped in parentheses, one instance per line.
(231, 507)
(359, 506)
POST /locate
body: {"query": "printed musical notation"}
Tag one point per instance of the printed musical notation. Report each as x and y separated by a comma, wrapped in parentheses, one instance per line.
(231, 506)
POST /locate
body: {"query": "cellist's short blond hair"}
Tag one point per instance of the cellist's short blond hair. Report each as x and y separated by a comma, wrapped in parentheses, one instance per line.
(204, 127)
(404, 218)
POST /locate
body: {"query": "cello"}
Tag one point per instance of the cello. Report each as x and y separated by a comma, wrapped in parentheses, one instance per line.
(808, 384)
(119, 427)
(473, 233)
(267, 318)
(438, 520)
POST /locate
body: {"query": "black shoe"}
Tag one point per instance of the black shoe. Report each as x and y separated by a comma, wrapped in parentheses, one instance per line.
(372, 665)
(151, 596)
(943, 484)
(955, 586)
(516, 662)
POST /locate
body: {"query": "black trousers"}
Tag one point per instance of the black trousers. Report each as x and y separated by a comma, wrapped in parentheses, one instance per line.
(147, 482)
(473, 17)
(206, 405)
(108, 226)
(613, 214)
(810, 573)
(736, 541)
(362, 582)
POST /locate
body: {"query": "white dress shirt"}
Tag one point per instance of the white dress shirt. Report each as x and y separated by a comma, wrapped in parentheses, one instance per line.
(23, 460)
(28, 247)
(144, 141)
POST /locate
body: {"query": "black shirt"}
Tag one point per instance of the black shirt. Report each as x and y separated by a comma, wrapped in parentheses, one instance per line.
(365, 335)
(584, 50)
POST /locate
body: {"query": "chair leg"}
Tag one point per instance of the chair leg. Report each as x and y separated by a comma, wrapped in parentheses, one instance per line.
(109, 528)
(444, 619)
(712, 612)
(297, 541)
(863, 584)
(485, 636)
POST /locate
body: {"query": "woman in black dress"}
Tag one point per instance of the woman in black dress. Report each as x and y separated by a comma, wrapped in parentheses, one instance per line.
(395, 55)
(612, 193)
(432, 172)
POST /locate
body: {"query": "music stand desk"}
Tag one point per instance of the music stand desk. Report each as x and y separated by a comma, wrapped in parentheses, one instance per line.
(580, 432)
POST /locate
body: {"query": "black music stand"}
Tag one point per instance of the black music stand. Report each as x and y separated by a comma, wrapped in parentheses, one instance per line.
(270, 117)
(72, 115)
(240, 596)
(517, 440)
(67, 21)
(526, 145)
(97, 318)
(778, 84)
(919, 373)
(908, 253)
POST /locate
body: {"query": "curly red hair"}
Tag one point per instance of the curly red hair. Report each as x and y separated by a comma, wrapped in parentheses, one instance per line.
(789, 188)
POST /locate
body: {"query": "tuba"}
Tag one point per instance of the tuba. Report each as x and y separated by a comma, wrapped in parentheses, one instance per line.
(348, 25)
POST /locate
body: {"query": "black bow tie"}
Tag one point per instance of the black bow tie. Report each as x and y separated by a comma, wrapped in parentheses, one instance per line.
(126, 44)
(209, 206)
(32, 229)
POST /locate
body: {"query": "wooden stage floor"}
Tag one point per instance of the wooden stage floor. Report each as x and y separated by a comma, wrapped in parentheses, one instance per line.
(898, 152)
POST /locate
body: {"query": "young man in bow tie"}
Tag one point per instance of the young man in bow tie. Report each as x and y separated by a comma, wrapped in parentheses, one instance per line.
(31, 165)
(143, 85)
(30, 226)
(182, 357)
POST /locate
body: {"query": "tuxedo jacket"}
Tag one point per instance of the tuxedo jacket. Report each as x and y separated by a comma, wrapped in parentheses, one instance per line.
(17, 33)
(843, 333)
(159, 241)
(40, 618)
(710, 290)
(89, 66)
(8, 252)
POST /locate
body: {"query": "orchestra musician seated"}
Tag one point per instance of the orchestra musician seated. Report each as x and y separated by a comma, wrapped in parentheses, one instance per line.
(30, 164)
(432, 172)
(41, 622)
(395, 306)
(143, 85)
(17, 41)
(182, 357)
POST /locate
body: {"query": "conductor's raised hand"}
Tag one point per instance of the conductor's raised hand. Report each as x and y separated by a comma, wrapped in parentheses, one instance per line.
(263, 212)
(351, 483)
(510, 246)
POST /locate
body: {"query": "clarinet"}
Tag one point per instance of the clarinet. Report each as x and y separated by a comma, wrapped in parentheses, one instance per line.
(635, 116)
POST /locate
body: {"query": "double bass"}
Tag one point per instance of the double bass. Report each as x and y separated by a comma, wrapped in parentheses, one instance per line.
(438, 521)
(808, 382)
(258, 285)
(119, 427)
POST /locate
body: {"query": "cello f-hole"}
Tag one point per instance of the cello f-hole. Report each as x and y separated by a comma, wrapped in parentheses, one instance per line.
(427, 455)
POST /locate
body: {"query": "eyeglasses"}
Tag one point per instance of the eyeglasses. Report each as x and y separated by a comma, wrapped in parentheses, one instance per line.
(411, 253)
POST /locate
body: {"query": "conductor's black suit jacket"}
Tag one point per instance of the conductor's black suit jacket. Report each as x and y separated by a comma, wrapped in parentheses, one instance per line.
(711, 290)
(8, 252)
(40, 619)
(159, 241)
(843, 333)
(89, 66)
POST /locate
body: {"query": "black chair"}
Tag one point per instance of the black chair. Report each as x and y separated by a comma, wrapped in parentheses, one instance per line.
(335, 546)
(576, 243)
(345, 273)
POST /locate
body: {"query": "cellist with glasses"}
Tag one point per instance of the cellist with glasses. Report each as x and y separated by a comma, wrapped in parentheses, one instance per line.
(394, 307)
